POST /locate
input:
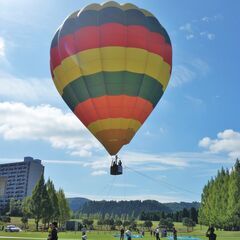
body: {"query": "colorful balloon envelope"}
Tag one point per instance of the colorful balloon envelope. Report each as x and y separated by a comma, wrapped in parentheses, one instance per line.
(111, 64)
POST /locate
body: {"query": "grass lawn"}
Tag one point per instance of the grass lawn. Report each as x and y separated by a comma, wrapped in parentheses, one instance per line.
(221, 235)
(198, 232)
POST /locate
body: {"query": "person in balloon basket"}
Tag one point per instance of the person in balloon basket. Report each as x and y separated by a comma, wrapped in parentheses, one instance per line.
(210, 234)
(128, 234)
(53, 235)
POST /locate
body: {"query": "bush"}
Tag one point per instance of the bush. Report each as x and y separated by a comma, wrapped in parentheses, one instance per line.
(5, 219)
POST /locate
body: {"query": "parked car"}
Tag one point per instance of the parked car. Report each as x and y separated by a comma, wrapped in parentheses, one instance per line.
(12, 228)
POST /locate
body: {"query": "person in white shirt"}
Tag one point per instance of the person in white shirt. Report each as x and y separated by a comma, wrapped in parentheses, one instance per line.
(157, 234)
(128, 234)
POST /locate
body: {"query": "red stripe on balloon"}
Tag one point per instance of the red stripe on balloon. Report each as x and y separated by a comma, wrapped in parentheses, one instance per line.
(111, 34)
(121, 106)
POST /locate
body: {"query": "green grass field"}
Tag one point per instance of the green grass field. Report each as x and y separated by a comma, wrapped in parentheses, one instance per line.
(107, 235)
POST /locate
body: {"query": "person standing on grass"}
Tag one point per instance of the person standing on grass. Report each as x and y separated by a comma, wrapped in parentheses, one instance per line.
(84, 230)
(210, 234)
(128, 234)
(122, 233)
(84, 237)
(174, 233)
(157, 234)
(53, 235)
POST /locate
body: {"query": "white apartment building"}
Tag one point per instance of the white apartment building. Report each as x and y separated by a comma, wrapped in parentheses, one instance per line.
(17, 180)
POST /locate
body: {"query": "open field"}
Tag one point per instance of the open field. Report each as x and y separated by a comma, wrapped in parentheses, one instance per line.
(107, 235)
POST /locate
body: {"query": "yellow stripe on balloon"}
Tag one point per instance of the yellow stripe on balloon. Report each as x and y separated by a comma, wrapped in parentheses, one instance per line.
(114, 123)
(111, 59)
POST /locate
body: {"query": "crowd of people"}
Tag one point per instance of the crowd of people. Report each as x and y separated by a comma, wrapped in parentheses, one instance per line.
(53, 233)
(155, 233)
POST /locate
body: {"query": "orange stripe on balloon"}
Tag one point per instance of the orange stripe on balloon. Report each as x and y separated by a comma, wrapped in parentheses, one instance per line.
(121, 106)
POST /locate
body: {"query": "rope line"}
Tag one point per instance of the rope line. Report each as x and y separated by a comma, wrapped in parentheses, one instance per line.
(174, 187)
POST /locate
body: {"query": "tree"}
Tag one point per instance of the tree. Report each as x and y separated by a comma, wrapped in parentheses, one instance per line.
(36, 205)
(118, 223)
(64, 210)
(100, 223)
(14, 207)
(54, 211)
(109, 222)
(87, 222)
(185, 213)
(220, 205)
(47, 207)
(188, 222)
(234, 195)
(194, 214)
(133, 224)
(126, 223)
(166, 223)
(148, 224)
(26, 213)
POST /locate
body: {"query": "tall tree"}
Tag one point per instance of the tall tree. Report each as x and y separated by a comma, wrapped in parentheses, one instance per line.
(220, 204)
(26, 213)
(47, 207)
(194, 214)
(54, 212)
(234, 196)
(36, 205)
(14, 207)
(64, 210)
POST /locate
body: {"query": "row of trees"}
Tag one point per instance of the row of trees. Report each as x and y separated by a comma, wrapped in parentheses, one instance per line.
(131, 208)
(177, 216)
(220, 205)
(45, 204)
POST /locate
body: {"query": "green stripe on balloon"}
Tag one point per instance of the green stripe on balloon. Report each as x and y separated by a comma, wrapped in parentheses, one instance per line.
(112, 84)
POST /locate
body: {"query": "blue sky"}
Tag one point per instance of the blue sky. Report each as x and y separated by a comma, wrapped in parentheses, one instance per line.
(193, 131)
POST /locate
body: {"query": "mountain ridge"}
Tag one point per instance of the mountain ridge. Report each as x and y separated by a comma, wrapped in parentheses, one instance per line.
(88, 206)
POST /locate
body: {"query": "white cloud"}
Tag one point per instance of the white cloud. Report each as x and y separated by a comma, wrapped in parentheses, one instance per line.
(2, 47)
(200, 65)
(4, 63)
(186, 72)
(194, 100)
(140, 162)
(186, 27)
(194, 28)
(227, 141)
(189, 36)
(208, 35)
(214, 18)
(62, 130)
(99, 173)
(181, 74)
(27, 89)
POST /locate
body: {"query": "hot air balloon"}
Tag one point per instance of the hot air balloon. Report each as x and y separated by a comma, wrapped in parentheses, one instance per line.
(111, 64)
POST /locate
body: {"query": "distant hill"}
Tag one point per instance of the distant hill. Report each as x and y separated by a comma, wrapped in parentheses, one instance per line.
(76, 203)
(126, 207)
(133, 208)
(174, 206)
